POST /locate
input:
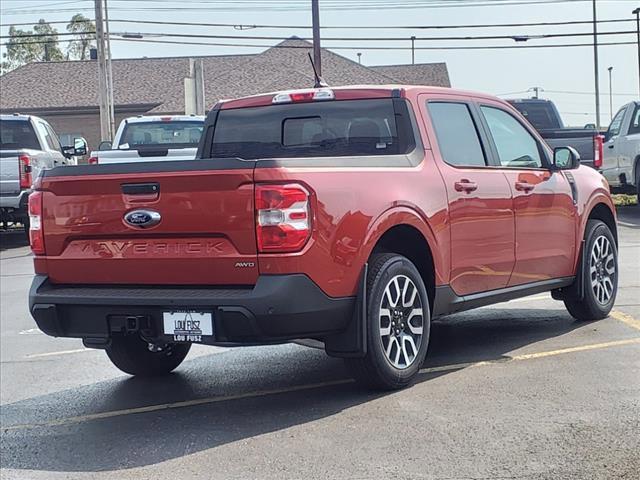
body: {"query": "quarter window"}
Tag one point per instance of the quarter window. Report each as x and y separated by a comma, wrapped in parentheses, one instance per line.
(516, 147)
(457, 134)
(635, 122)
(616, 123)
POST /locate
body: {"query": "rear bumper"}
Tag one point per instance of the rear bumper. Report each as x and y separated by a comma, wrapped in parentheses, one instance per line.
(278, 308)
(15, 202)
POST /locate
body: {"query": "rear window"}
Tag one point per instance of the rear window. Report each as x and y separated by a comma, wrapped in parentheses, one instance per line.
(16, 134)
(540, 115)
(318, 129)
(169, 134)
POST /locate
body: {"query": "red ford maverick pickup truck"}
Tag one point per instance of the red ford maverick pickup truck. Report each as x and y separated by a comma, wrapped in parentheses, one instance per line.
(351, 215)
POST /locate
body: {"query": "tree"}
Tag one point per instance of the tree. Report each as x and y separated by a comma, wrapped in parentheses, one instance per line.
(84, 30)
(23, 47)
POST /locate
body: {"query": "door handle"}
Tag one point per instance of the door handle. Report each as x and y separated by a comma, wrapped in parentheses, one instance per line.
(610, 146)
(465, 185)
(524, 186)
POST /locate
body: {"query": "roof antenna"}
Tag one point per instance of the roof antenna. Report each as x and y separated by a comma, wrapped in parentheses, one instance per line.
(319, 80)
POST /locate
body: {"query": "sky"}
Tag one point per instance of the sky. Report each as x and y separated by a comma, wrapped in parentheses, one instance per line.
(565, 75)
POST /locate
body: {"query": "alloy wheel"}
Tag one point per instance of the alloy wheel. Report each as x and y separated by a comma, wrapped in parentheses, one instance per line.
(602, 269)
(401, 321)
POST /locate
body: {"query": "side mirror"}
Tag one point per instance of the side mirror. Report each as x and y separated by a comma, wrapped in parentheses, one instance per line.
(565, 158)
(79, 147)
(105, 145)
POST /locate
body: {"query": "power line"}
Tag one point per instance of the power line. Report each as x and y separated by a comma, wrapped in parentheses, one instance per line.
(340, 6)
(337, 27)
(341, 39)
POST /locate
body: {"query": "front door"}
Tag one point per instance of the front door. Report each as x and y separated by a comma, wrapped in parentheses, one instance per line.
(479, 197)
(545, 214)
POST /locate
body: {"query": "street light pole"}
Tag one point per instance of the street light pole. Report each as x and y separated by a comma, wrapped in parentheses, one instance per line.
(637, 14)
(610, 95)
(413, 50)
(595, 63)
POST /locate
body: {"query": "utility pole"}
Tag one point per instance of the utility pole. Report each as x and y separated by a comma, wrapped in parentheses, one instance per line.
(315, 19)
(103, 95)
(595, 63)
(413, 50)
(637, 14)
(536, 91)
(610, 95)
(110, 99)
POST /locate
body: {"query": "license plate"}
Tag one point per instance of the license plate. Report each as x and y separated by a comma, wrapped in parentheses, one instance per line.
(187, 325)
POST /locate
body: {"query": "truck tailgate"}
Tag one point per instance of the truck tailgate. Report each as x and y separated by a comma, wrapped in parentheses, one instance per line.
(9, 173)
(205, 236)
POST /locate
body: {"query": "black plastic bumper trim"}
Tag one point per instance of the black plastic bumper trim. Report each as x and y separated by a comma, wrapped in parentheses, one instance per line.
(277, 308)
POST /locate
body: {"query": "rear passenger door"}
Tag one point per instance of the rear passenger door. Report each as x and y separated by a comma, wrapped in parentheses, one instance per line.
(545, 214)
(479, 198)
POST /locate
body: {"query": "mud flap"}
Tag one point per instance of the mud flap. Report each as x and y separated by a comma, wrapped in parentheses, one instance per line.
(574, 291)
(352, 343)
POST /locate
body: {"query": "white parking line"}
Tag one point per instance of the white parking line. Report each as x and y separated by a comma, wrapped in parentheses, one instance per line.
(62, 352)
(625, 224)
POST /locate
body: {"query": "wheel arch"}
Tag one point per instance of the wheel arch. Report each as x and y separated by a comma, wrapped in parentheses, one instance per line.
(408, 241)
(602, 211)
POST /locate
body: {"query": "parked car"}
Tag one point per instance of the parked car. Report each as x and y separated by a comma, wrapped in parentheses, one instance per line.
(151, 139)
(458, 203)
(621, 161)
(28, 145)
(545, 118)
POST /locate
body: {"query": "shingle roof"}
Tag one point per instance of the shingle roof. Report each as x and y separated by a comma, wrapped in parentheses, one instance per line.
(435, 74)
(159, 81)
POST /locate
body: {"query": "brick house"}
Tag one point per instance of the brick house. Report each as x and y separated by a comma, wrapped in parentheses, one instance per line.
(65, 93)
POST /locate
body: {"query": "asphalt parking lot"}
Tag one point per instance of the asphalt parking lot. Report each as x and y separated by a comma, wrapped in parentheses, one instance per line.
(517, 390)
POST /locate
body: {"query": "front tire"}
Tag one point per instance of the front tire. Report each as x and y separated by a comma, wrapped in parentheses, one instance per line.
(134, 356)
(600, 277)
(398, 324)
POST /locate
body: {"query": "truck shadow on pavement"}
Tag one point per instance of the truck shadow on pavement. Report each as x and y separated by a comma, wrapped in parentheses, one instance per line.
(12, 238)
(133, 439)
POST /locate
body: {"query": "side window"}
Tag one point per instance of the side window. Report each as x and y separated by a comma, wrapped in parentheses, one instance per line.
(44, 133)
(635, 122)
(457, 134)
(517, 148)
(54, 138)
(616, 123)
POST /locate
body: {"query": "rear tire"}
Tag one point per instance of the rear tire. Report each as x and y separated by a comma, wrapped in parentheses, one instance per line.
(600, 279)
(398, 324)
(134, 356)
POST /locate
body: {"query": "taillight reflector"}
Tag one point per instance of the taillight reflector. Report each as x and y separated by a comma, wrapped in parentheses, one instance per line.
(598, 146)
(24, 164)
(36, 234)
(283, 217)
(93, 160)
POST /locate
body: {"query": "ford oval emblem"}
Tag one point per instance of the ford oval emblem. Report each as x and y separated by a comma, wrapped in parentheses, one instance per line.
(142, 218)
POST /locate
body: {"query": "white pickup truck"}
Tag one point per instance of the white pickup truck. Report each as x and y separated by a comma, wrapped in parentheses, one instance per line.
(621, 158)
(28, 145)
(152, 138)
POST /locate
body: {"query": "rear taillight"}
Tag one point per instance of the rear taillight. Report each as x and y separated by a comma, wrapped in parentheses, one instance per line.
(93, 160)
(283, 217)
(598, 145)
(24, 164)
(36, 234)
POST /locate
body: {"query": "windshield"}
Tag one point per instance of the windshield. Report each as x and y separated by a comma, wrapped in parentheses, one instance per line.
(170, 134)
(316, 129)
(16, 134)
